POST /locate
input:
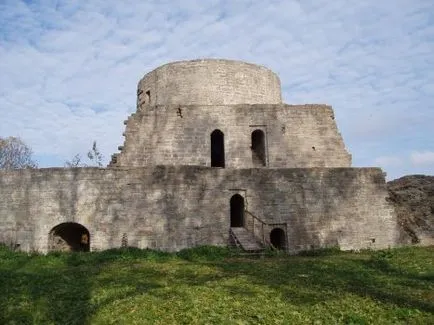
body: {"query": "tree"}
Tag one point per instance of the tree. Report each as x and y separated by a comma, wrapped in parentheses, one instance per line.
(94, 156)
(15, 154)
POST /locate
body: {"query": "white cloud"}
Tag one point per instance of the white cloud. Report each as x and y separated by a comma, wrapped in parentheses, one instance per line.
(70, 69)
(388, 161)
(422, 158)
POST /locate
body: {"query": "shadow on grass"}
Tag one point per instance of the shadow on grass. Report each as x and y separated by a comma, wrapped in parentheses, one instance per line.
(58, 288)
(72, 288)
(55, 293)
(311, 280)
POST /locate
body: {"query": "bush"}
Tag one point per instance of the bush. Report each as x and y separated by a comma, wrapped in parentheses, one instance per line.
(326, 251)
(271, 252)
(211, 253)
(381, 259)
(131, 253)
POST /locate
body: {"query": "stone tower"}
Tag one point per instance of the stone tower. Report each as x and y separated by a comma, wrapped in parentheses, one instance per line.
(226, 114)
(211, 157)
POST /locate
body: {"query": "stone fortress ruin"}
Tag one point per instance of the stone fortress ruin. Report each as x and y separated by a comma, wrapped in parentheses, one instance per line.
(211, 157)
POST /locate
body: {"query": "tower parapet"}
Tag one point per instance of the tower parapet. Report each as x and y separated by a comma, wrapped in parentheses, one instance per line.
(209, 82)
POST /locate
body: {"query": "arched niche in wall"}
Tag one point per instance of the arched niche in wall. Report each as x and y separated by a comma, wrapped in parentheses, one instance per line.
(69, 236)
(259, 158)
(217, 149)
(237, 211)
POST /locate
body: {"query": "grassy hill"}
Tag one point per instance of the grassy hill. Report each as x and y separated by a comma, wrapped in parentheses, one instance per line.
(212, 286)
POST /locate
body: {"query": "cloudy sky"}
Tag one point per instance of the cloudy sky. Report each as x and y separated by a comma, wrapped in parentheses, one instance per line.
(69, 68)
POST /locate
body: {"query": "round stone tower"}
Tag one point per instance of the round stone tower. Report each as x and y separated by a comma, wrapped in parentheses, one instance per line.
(226, 114)
(209, 82)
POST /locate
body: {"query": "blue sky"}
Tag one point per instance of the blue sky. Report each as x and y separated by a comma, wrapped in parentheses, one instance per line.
(69, 69)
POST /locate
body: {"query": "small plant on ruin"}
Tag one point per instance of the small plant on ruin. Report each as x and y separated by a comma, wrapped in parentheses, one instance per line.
(94, 156)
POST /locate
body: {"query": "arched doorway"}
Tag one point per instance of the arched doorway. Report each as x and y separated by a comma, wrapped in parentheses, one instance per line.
(237, 211)
(70, 237)
(217, 149)
(258, 148)
(277, 238)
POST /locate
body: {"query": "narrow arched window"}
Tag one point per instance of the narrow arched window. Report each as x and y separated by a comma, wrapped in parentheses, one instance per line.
(258, 148)
(217, 149)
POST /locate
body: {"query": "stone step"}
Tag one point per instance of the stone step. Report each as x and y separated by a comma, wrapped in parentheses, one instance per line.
(246, 239)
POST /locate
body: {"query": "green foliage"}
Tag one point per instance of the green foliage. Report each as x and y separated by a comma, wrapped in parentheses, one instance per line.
(209, 253)
(334, 250)
(354, 319)
(132, 253)
(381, 259)
(214, 285)
(270, 252)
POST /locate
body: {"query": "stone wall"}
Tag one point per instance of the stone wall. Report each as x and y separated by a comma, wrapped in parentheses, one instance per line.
(209, 82)
(296, 136)
(171, 208)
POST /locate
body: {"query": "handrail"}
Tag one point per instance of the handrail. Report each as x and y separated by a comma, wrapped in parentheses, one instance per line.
(255, 217)
(262, 223)
(263, 239)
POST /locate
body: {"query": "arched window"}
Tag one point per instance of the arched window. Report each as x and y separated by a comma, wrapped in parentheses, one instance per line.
(258, 148)
(69, 236)
(277, 238)
(217, 149)
(237, 211)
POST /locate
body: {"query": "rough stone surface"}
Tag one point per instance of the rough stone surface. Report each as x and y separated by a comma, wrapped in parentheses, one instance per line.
(209, 82)
(413, 199)
(174, 207)
(295, 135)
(161, 192)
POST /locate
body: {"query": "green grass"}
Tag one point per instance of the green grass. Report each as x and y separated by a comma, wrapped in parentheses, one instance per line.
(211, 285)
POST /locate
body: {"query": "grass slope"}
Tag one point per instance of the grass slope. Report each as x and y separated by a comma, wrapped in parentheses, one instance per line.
(211, 286)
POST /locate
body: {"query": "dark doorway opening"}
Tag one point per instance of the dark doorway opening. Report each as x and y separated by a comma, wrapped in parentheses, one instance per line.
(237, 211)
(258, 148)
(217, 149)
(69, 236)
(277, 238)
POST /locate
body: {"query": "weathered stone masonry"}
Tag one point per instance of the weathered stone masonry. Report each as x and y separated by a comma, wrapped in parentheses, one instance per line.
(285, 165)
(209, 82)
(169, 207)
(296, 136)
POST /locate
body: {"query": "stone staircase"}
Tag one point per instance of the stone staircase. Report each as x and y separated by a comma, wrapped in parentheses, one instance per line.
(246, 240)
